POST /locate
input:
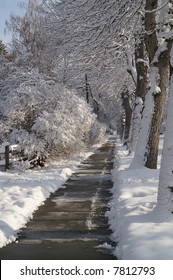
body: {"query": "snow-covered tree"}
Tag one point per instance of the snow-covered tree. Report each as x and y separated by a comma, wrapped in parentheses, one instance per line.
(3, 48)
(29, 38)
(165, 192)
(158, 50)
(141, 70)
(94, 34)
(40, 109)
(38, 116)
(161, 61)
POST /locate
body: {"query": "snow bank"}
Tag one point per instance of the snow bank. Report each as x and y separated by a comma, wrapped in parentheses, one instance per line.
(141, 230)
(23, 192)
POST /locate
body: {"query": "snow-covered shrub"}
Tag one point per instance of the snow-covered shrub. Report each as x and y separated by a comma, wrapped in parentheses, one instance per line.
(97, 132)
(66, 129)
(44, 117)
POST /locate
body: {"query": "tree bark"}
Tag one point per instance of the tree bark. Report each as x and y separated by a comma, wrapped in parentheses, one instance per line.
(128, 113)
(165, 191)
(151, 43)
(140, 151)
(159, 71)
(141, 89)
(159, 102)
(141, 67)
(151, 40)
(87, 88)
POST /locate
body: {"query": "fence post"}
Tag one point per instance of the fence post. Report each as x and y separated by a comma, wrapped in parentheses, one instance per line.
(7, 160)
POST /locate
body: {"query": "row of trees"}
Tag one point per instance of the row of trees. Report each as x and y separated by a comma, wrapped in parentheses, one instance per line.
(116, 54)
(112, 37)
(39, 111)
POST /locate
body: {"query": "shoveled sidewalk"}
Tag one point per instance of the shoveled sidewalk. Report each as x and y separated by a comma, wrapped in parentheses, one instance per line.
(72, 223)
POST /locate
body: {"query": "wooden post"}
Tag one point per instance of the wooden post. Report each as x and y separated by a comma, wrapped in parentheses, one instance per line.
(7, 161)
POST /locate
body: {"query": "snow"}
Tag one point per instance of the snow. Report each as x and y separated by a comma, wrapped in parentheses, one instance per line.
(171, 57)
(130, 66)
(142, 230)
(144, 131)
(23, 192)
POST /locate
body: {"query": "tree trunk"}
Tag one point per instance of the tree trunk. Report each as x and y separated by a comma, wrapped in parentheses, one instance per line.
(135, 124)
(165, 192)
(140, 151)
(159, 102)
(87, 88)
(128, 114)
(147, 153)
(141, 89)
(141, 67)
(151, 40)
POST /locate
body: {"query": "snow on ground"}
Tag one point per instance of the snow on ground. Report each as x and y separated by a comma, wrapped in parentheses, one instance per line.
(138, 227)
(22, 193)
(141, 230)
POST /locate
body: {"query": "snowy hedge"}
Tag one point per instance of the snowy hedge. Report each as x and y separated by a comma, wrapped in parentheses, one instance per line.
(44, 117)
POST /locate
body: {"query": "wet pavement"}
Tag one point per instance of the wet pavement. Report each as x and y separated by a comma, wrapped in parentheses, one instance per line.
(72, 224)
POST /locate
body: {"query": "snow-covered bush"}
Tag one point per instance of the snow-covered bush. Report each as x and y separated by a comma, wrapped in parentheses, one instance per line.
(45, 118)
(97, 133)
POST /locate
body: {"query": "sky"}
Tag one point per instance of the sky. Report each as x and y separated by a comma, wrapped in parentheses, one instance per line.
(8, 7)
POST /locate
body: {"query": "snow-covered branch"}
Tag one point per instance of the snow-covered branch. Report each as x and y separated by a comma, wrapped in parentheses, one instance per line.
(157, 9)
